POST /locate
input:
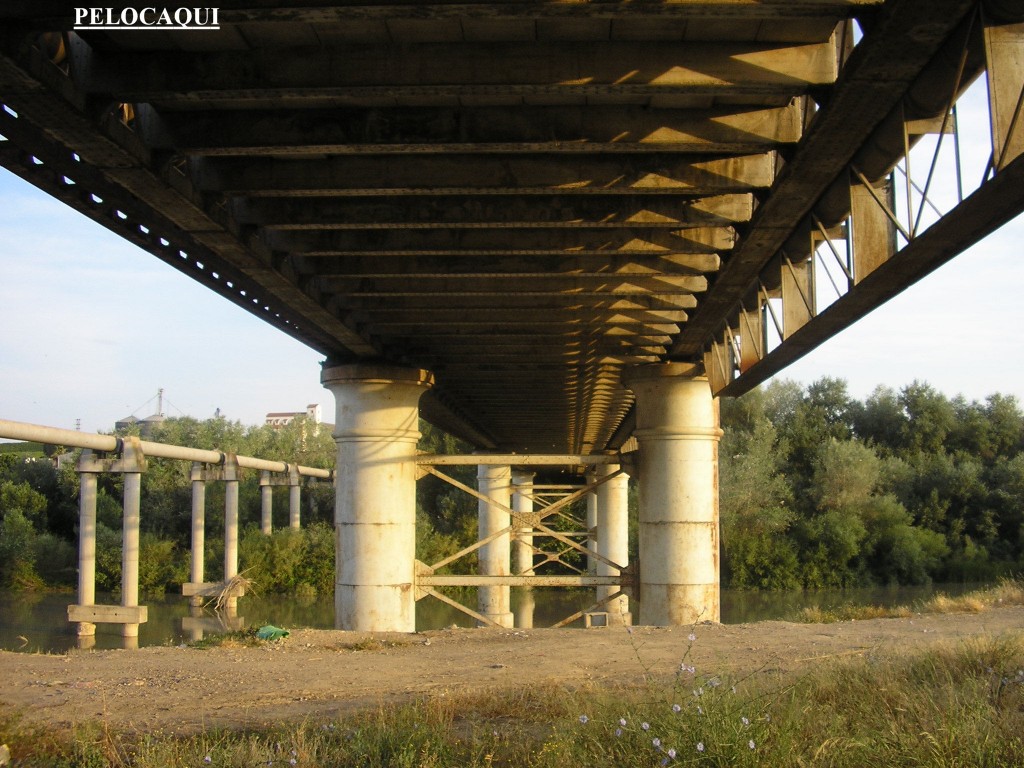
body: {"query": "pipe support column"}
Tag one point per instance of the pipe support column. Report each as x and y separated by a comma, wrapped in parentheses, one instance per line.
(87, 538)
(266, 504)
(678, 432)
(294, 497)
(376, 429)
(198, 568)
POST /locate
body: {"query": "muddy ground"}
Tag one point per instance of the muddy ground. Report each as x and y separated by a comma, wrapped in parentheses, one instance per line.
(316, 674)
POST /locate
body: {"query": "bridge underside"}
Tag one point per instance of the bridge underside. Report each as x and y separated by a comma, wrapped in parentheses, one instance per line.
(524, 198)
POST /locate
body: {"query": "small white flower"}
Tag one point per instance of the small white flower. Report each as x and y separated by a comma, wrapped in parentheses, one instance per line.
(584, 719)
(622, 722)
(671, 753)
(700, 746)
(645, 726)
(676, 708)
(751, 744)
(745, 721)
(692, 637)
(656, 743)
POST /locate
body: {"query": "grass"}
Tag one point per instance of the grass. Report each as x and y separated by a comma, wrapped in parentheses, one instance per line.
(1009, 591)
(952, 705)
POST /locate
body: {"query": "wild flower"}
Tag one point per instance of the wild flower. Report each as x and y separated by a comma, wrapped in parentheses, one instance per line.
(584, 719)
(656, 743)
(692, 637)
(618, 732)
(622, 722)
(700, 710)
(745, 721)
(207, 759)
(751, 744)
(645, 726)
(700, 746)
(671, 753)
(676, 708)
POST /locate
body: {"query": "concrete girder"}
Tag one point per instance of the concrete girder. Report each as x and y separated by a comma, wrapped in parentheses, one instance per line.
(354, 72)
(509, 262)
(481, 175)
(436, 130)
(552, 315)
(446, 285)
(492, 213)
(695, 240)
(454, 328)
(517, 300)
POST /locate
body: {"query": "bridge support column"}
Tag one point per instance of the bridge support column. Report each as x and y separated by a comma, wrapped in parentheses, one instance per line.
(678, 433)
(613, 538)
(522, 503)
(495, 482)
(376, 429)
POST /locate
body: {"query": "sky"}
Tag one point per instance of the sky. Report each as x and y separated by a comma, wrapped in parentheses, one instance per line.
(91, 326)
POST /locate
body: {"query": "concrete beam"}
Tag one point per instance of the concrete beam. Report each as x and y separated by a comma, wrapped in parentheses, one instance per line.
(454, 174)
(455, 212)
(263, 75)
(525, 285)
(508, 262)
(439, 242)
(520, 301)
(445, 129)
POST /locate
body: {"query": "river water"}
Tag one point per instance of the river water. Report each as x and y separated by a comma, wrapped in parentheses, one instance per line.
(38, 622)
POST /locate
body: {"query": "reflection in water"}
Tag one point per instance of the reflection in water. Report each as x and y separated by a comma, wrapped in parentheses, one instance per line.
(34, 622)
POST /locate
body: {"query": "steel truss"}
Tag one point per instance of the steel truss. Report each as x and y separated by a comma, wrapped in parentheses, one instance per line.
(552, 500)
(880, 228)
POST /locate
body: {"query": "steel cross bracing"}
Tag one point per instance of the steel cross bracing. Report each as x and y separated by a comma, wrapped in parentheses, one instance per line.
(526, 197)
(545, 507)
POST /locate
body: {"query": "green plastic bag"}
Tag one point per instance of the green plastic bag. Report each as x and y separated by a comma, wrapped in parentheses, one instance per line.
(270, 632)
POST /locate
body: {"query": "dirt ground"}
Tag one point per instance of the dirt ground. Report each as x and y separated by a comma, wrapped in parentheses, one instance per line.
(318, 673)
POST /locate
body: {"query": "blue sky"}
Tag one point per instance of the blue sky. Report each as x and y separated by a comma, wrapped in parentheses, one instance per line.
(93, 326)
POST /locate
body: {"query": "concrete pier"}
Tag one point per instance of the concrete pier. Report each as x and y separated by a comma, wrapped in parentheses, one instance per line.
(376, 429)
(495, 482)
(613, 538)
(678, 433)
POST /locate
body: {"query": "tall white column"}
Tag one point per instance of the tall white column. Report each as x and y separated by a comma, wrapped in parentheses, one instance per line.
(613, 537)
(231, 477)
(294, 497)
(87, 539)
(266, 504)
(197, 569)
(495, 482)
(677, 431)
(133, 463)
(376, 429)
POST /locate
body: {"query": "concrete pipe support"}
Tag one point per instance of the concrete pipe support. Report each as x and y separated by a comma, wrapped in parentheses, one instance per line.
(678, 433)
(376, 429)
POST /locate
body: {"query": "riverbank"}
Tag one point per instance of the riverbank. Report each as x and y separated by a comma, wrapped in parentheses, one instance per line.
(323, 674)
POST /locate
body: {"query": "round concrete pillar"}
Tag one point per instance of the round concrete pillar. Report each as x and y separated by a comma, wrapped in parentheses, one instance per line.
(376, 429)
(678, 433)
(495, 482)
(198, 565)
(613, 537)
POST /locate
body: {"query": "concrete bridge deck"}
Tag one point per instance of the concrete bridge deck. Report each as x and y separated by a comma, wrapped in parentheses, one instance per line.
(524, 198)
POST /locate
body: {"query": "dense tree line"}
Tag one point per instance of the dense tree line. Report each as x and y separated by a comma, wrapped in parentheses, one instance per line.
(818, 489)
